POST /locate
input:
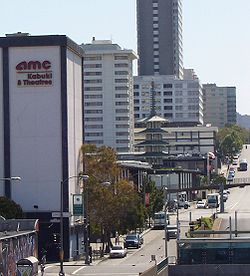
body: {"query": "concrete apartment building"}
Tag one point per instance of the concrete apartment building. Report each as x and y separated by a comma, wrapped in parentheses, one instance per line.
(219, 105)
(159, 30)
(108, 95)
(178, 100)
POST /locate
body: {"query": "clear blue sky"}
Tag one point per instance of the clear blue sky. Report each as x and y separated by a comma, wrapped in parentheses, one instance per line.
(216, 32)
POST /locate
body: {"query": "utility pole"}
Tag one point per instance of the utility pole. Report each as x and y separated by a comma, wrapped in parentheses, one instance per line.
(222, 209)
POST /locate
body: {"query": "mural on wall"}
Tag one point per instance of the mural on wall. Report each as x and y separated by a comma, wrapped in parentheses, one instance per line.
(14, 249)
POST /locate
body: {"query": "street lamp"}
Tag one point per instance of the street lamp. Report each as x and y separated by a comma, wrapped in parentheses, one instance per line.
(15, 178)
(61, 273)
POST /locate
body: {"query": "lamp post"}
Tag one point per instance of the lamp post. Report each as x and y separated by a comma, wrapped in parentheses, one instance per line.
(61, 273)
(85, 178)
(165, 225)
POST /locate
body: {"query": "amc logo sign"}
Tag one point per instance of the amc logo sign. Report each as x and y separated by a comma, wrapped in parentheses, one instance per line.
(34, 73)
(33, 65)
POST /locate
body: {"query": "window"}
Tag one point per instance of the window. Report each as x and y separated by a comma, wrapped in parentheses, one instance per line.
(178, 93)
(123, 118)
(93, 58)
(136, 86)
(167, 93)
(94, 119)
(178, 85)
(122, 141)
(121, 80)
(121, 110)
(122, 133)
(178, 107)
(121, 65)
(178, 100)
(97, 142)
(90, 65)
(167, 85)
(168, 100)
(136, 94)
(121, 88)
(93, 134)
(93, 104)
(121, 103)
(121, 126)
(92, 73)
(98, 88)
(93, 126)
(93, 111)
(121, 72)
(168, 107)
(93, 81)
(121, 95)
(121, 57)
(136, 101)
(92, 96)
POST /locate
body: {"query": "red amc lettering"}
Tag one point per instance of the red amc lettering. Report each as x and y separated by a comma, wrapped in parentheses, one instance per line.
(46, 64)
(33, 65)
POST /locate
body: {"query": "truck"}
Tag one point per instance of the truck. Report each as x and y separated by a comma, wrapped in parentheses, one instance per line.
(161, 219)
(213, 200)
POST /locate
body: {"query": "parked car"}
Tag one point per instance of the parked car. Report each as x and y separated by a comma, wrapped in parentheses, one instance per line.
(230, 178)
(133, 240)
(118, 251)
(201, 204)
(235, 162)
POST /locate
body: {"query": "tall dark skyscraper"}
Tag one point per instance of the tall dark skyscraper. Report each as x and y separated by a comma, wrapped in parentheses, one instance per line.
(159, 32)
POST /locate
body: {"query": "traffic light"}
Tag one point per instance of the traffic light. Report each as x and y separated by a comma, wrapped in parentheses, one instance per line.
(56, 238)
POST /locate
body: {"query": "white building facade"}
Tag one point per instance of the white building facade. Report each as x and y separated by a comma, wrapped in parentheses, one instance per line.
(41, 127)
(178, 100)
(108, 95)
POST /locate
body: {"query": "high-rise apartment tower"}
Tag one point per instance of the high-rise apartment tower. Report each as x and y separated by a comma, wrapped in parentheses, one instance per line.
(159, 31)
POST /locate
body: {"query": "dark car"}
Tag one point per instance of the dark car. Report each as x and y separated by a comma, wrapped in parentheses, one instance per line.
(171, 231)
(133, 240)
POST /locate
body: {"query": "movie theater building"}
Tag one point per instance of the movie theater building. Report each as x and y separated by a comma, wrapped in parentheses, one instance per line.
(41, 132)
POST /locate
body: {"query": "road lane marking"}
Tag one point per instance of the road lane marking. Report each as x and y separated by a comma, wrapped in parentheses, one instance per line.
(234, 205)
(46, 267)
(73, 273)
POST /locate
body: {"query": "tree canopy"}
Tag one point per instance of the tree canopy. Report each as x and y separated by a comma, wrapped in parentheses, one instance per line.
(230, 140)
(114, 204)
(9, 209)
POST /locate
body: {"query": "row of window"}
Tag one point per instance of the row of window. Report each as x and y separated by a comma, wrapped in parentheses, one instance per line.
(96, 57)
(99, 65)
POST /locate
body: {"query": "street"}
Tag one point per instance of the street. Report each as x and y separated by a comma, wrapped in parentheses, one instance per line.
(138, 260)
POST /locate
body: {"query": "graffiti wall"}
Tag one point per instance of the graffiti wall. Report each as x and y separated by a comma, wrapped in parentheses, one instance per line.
(16, 248)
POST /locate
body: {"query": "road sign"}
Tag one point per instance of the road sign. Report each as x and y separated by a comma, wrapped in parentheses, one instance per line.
(78, 205)
(58, 214)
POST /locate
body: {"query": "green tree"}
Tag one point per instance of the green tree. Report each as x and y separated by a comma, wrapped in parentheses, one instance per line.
(156, 199)
(114, 204)
(9, 209)
(231, 144)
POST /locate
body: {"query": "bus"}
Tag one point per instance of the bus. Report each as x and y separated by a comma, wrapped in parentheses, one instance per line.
(213, 200)
(243, 165)
(160, 219)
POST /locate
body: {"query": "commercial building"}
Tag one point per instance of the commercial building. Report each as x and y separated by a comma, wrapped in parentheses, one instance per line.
(178, 100)
(108, 95)
(159, 31)
(41, 131)
(219, 105)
